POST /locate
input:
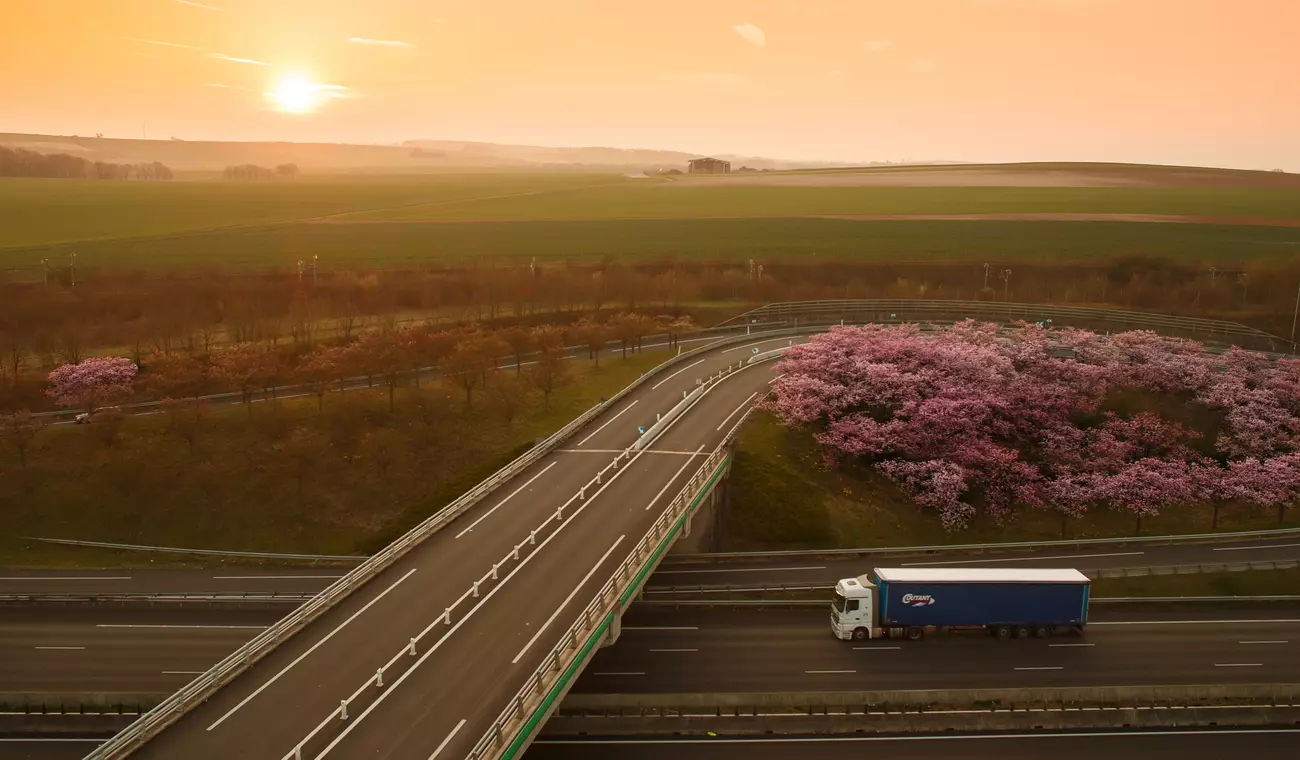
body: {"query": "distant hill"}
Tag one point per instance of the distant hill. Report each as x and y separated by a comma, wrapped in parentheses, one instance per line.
(410, 156)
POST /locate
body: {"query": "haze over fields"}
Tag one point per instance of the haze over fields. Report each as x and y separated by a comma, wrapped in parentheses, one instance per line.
(1190, 82)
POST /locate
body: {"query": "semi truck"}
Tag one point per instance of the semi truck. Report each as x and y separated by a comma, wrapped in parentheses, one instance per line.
(913, 602)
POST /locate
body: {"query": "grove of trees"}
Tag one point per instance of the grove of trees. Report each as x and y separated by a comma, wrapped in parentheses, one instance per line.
(253, 171)
(17, 162)
(971, 419)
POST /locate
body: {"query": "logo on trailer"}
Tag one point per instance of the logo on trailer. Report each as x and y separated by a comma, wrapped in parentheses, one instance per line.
(918, 600)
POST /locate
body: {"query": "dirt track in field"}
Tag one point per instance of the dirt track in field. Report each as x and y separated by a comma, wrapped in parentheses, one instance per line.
(1030, 217)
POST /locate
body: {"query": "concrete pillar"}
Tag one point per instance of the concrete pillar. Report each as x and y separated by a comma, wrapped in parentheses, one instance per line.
(615, 628)
(686, 526)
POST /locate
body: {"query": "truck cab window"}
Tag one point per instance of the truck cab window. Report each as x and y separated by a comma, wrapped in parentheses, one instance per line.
(851, 605)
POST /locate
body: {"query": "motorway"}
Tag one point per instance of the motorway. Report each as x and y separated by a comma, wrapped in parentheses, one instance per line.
(464, 671)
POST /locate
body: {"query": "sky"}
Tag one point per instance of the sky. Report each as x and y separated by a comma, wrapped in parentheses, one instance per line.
(1205, 82)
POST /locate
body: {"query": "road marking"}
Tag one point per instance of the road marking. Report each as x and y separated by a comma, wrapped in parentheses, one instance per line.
(1021, 559)
(627, 673)
(620, 451)
(827, 672)
(182, 672)
(778, 377)
(60, 647)
(1192, 622)
(488, 513)
(932, 738)
(302, 656)
(568, 598)
(47, 740)
(661, 628)
(274, 577)
(1072, 645)
(674, 650)
(611, 419)
(1044, 667)
(655, 387)
(869, 649)
(751, 345)
(671, 480)
(447, 741)
(1238, 664)
(743, 404)
(1254, 548)
(740, 570)
(1263, 642)
(68, 578)
(159, 625)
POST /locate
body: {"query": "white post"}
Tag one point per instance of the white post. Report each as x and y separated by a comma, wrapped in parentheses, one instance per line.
(297, 752)
(412, 649)
(559, 513)
(494, 570)
(658, 416)
(475, 589)
(582, 494)
(379, 678)
(516, 551)
(343, 709)
(446, 616)
(532, 537)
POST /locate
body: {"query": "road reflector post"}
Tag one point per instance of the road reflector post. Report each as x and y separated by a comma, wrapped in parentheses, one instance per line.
(379, 678)
(446, 620)
(516, 551)
(495, 565)
(532, 537)
(411, 651)
(582, 494)
(475, 592)
(343, 709)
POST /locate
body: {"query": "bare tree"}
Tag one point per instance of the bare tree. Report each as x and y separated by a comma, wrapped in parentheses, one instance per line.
(20, 429)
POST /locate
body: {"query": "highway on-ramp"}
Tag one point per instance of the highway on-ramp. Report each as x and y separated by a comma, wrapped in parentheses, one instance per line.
(465, 669)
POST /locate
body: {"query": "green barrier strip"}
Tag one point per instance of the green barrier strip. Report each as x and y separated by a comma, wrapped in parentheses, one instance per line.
(554, 693)
(668, 539)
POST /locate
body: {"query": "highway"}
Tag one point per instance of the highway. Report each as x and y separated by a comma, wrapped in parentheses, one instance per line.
(766, 650)
(495, 640)
(220, 579)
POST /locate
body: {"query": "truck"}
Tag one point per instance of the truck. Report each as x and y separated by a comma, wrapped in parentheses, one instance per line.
(912, 602)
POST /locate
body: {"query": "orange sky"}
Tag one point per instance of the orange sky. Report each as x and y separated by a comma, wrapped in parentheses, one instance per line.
(1213, 82)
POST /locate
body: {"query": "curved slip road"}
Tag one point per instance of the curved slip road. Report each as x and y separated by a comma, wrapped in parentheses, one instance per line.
(449, 692)
(766, 650)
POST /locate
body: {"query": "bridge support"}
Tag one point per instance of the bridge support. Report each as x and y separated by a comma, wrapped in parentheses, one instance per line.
(615, 629)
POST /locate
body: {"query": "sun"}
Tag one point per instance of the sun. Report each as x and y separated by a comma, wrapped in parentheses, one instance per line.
(295, 94)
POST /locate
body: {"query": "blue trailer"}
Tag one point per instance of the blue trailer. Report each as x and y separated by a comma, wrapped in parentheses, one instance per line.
(1007, 602)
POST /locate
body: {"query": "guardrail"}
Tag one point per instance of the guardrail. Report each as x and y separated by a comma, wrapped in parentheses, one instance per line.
(820, 603)
(1190, 538)
(203, 552)
(221, 597)
(203, 686)
(510, 733)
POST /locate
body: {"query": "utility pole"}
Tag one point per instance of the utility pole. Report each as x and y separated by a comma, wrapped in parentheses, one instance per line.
(72, 268)
(299, 270)
(1005, 276)
(1294, 314)
(314, 258)
(1241, 278)
(986, 276)
(45, 268)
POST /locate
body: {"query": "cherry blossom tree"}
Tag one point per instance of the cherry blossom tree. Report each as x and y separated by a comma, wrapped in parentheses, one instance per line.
(92, 383)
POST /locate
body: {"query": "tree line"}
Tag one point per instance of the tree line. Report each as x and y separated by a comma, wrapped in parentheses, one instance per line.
(17, 162)
(255, 172)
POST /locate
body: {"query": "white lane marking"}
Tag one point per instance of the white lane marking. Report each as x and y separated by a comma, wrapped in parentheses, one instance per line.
(672, 480)
(743, 404)
(620, 451)
(674, 650)
(1192, 622)
(611, 419)
(68, 578)
(472, 610)
(568, 598)
(778, 377)
(160, 625)
(182, 672)
(933, 738)
(870, 649)
(47, 740)
(740, 570)
(751, 345)
(1021, 559)
(661, 628)
(488, 513)
(1264, 642)
(655, 387)
(274, 577)
(626, 673)
(1072, 645)
(827, 672)
(447, 741)
(302, 656)
(1238, 664)
(60, 648)
(1044, 667)
(1254, 548)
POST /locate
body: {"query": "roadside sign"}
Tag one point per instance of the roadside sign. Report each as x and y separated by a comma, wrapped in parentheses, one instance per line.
(755, 350)
(640, 431)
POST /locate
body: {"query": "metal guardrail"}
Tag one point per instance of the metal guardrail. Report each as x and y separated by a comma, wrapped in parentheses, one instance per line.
(1190, 538)
(522, 717)
(221, 597)
(205, 552)
(203, 686)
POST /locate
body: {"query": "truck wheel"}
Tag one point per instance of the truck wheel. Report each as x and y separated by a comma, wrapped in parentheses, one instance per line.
(1002, 632)
(1022, 632)
(1041, 632)
(915, 633)
(859, 634)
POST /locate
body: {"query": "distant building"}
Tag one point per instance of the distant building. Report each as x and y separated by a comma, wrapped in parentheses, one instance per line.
(710, 166)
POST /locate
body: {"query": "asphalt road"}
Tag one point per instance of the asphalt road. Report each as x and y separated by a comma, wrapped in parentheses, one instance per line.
(1279, 744)
(449, 693)
(223, 579)
(795, 570)
(767, 650)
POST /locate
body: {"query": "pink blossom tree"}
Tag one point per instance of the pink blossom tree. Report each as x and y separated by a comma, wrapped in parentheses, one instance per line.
(92, 383)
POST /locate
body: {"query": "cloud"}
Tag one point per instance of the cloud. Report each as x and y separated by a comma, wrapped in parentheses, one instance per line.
(232, 59)
(158, 42)
(334, 91)
(220, 86)
(877, 46)
(751, 33)
(380, 43)
(925, 66)
(711, 78)
(198, 5)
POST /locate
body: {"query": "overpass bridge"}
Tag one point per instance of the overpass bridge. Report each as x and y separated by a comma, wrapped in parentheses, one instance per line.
(463, 636)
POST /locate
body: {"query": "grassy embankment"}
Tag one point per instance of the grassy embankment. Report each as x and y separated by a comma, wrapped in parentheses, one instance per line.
(784, 497)
(278, 477)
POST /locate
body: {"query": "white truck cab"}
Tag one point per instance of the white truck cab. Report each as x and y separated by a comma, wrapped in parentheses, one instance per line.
(853, 609)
